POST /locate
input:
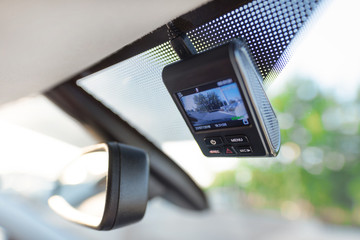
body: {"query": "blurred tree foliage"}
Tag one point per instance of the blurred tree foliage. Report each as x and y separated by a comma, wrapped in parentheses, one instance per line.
(209, 102)
(318, 168)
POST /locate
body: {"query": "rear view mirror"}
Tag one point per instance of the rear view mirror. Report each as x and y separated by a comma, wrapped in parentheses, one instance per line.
(105, 188)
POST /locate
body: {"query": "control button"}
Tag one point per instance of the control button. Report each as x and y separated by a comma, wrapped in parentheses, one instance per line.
(229, 150)
(237, 139)
(215, 151)
(245, 122)
(213, 141)
(246, 149)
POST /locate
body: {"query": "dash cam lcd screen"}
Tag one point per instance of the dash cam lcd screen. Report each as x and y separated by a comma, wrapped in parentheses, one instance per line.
(214, 105)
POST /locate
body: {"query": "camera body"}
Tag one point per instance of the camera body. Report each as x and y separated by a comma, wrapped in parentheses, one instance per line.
(220, 95)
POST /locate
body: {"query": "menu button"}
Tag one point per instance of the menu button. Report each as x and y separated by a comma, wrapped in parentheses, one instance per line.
(237, 139)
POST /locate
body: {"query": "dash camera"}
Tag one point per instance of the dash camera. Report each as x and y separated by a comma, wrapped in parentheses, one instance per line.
(221, 97)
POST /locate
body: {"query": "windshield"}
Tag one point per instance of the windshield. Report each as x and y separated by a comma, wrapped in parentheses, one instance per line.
(318, 120)
(310, 189)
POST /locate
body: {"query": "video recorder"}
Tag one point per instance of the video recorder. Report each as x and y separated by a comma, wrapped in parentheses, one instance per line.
(221, 97)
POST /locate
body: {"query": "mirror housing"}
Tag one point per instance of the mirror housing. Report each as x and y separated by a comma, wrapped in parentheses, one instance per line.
(125, 182)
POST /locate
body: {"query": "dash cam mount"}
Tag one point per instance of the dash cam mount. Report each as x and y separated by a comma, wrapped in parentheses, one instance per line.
(220, 95)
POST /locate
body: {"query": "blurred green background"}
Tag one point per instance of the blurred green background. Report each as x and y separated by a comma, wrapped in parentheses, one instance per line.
(317, 171)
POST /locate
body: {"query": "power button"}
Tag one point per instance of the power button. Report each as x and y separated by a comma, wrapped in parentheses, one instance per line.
(213, 141)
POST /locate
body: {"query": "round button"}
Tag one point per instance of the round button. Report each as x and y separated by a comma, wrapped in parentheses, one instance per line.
(213, 141)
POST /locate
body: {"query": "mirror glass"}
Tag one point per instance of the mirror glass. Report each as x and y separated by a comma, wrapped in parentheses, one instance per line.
(81, 191)
(105, 188)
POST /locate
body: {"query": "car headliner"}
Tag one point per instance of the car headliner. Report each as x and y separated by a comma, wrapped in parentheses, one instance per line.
(45, 42)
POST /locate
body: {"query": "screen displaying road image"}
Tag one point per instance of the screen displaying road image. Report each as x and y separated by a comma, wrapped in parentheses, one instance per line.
(214, 105)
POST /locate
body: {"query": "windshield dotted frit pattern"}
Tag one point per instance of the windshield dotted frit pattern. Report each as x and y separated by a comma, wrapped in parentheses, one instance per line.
(134, 90)
(267, 26)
